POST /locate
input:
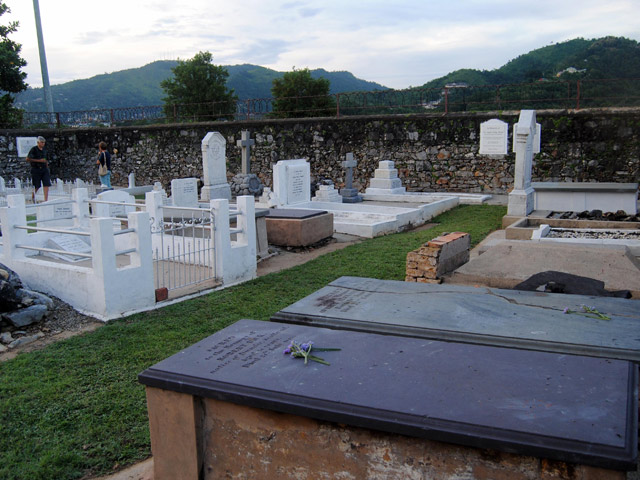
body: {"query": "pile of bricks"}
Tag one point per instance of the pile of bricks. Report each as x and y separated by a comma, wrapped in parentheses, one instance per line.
(437, 257)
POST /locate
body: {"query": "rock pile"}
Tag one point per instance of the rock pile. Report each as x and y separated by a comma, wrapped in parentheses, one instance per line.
(246, 184)
(619, 216)
(19, 308)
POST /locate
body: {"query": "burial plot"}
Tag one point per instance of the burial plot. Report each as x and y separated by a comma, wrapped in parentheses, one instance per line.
(488, 316)
(210, 406)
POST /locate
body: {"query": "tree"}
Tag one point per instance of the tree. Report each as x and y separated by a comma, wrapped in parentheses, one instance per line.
(198, 90)
(11, 76)
(296, 94)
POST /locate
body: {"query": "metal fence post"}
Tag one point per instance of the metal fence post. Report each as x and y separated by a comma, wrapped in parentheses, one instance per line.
(337, 105)
(578, 95)
(446, 100)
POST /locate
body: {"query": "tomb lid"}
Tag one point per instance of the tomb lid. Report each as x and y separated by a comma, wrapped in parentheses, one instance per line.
(563, 407)
(294, 213)
(489, 316)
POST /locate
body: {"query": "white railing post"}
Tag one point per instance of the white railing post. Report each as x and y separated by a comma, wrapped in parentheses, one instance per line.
(246, 221)
(80, 209)
(154, 207)
(221, 236)
(103, 248)
(14, 214)
(143, 256)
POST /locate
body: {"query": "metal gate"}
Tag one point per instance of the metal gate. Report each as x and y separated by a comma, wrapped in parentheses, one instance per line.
(183, 251)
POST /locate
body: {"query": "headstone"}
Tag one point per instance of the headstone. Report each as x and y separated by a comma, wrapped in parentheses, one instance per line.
(521, 198)
(488, 316)
(68, 243)
(214, 167)
(536, 138)
(157, 187)
(117, 196)
(245, 144)
(184, 192)
(132, 180)
(3, 185)
(292, 182)
(350, 194)
(563, 407)
(386, 181)
(55, 213)
(24, 144)
(493, 137)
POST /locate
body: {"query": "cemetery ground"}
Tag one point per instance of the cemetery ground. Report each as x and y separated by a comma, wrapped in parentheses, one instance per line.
(75, 409)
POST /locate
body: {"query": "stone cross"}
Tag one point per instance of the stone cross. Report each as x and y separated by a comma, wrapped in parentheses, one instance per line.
(349, 164)
(349, 194)
(521, 198)
(245, 143)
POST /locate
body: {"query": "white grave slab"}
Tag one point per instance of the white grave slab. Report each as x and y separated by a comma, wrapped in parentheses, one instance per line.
(184, 192)
(292, 182)
(214, 167)
(24, 144)
(68, 243)
(493, 137)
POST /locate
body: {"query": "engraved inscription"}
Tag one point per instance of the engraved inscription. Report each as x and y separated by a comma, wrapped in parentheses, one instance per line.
(342, 300)
(493, 137)
(296, 185)
(246, 350)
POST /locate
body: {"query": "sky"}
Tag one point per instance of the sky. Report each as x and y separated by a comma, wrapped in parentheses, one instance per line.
(398, 43)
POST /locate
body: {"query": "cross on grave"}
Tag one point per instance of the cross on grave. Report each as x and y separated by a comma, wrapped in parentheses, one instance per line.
(245, 143)
(350, 194)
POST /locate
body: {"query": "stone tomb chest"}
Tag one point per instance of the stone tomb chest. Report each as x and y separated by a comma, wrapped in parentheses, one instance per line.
(233, 404)
(488, 316)
(291, 227)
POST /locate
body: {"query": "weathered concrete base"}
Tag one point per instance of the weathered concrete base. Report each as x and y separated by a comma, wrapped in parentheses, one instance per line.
(192, 436)
(299, 232)
(511, 262)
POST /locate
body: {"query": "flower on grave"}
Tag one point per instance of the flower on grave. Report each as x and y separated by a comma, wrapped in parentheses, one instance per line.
(587, 311)
(303, 350)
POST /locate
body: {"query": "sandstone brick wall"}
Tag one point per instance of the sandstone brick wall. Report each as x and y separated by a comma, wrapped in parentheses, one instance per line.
(437, 257)
(431, 152)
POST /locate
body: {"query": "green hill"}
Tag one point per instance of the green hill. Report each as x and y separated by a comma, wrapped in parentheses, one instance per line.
(141, 87)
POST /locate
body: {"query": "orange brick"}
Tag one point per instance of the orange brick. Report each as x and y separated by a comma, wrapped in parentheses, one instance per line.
(429, 251)
(428, 280)
(409, 279)
(414, 272)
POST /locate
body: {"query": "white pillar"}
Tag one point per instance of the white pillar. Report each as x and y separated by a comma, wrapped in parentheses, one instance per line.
(11, 216)
(154, 207)
(80, 209)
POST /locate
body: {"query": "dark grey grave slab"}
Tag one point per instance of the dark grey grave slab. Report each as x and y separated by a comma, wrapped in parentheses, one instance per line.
(294, 213)
(489, 316)
(564, 407)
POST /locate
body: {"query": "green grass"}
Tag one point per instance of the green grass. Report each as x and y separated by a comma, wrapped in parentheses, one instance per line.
(75, 408)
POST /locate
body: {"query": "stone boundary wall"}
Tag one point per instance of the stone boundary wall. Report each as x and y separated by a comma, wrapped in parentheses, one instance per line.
(431, 152)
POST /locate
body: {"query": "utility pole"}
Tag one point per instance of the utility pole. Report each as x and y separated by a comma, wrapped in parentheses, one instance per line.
(48, 100)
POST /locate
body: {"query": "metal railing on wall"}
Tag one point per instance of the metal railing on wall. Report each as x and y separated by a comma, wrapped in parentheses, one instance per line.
(455, 97)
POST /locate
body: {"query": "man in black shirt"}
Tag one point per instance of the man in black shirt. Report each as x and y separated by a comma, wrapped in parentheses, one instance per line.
(40, 175)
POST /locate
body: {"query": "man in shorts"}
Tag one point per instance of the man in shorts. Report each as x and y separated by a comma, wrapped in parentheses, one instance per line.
(37, 157)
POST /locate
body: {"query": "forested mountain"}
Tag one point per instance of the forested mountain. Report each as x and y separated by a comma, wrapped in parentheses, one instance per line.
(603, 58)
(608, 57)
(141, 87)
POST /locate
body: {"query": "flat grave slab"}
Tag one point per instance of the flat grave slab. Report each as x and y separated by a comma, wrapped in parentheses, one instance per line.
(564, 407)
(489, 316)
(293, 213)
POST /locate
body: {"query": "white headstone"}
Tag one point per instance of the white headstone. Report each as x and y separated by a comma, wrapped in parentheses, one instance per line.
(24, 144)
(55, 214)
(214, 167)
(327, 193)
(245, 143)
(536, 138)
(292, 181)
(385, 180)
(493, 137)
(3, 185)
(157, 187)
(184, 192)
(522, 196)
(68, 243)
(17, 184)
(132, 180)
(118, 196)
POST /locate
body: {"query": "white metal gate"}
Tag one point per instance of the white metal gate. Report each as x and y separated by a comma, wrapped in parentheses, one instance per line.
(183, 251)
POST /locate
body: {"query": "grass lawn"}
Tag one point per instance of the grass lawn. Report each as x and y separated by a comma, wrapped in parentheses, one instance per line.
(75, 408)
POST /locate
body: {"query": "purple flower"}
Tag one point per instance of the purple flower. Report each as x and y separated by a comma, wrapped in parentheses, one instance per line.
(287, 350)
(566, 310)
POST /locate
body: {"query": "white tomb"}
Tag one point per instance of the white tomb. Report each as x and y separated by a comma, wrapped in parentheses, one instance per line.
(385, 180)
(327, 193)
(292, 182)
(214, 167)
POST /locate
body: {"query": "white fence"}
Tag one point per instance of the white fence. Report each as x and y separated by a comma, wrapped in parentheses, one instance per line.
(116, 276)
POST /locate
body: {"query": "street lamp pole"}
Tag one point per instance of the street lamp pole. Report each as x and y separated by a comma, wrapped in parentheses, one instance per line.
(48, 100)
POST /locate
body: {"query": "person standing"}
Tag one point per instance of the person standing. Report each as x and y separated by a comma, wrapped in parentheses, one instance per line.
(104, 160)
(40, 175)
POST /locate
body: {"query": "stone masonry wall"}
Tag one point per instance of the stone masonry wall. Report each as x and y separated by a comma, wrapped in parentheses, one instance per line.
(431, 152)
